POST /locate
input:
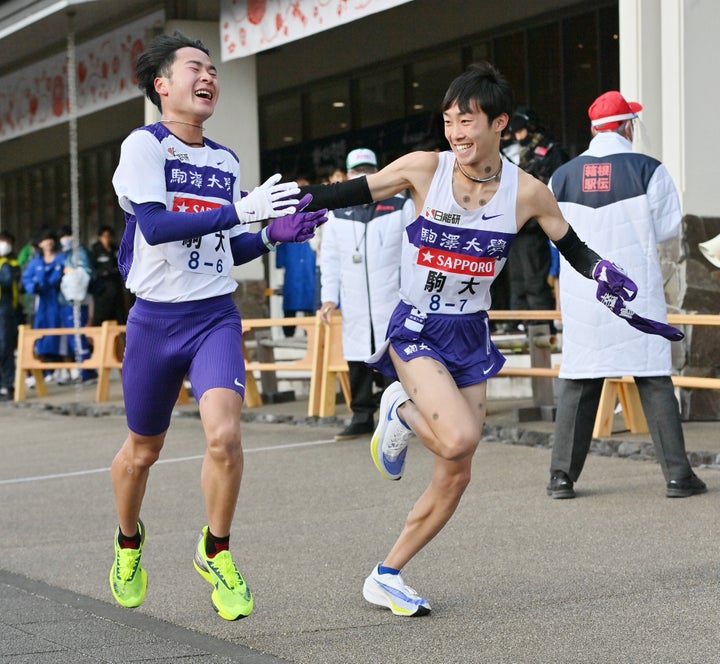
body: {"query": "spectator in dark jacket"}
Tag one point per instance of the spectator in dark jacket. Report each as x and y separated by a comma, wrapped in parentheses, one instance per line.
(108, 288)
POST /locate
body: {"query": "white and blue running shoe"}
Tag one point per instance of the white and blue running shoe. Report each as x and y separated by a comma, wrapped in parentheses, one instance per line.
(390, 591)
(390, 440)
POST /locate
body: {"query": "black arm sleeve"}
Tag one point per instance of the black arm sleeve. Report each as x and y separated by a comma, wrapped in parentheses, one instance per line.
(577, 253)
(337, 194)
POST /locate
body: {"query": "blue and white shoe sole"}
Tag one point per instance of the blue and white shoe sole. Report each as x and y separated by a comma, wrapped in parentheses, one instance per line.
(375, 593)
(390, 470)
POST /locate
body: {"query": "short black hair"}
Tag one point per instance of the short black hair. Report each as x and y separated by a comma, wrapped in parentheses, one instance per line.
(481, 86)
(157, 59)
(45, 233)
(524, 118)
(7, 235)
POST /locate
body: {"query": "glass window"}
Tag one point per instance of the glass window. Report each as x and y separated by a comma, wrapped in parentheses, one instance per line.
(380, 97)
(281, 122)
(509, 58)
(328, 110)
(544, 82)
(430, 78)
(609, 60)
(581, 77)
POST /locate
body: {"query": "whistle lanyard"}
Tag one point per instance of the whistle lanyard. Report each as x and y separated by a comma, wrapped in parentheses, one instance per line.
(357, 256)
(366, 216)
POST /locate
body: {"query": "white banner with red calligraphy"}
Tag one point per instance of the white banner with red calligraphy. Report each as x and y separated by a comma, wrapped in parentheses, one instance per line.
(36, 97)
(250, 26)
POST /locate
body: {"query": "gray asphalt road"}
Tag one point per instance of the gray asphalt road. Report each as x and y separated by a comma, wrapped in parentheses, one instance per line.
(620, 574)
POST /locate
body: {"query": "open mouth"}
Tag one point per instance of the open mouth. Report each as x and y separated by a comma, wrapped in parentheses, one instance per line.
(204, 94)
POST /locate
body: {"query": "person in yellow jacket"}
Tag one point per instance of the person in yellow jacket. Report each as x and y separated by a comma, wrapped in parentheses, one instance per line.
(9, 276)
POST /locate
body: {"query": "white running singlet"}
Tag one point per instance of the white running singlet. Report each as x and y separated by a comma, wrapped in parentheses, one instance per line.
(452, 255)
(157, 167)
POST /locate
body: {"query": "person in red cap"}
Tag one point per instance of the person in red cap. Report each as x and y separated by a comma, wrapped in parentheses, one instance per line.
(622, 203)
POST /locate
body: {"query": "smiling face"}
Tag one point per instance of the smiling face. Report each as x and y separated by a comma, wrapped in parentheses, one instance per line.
(190, 90)
(471, 136)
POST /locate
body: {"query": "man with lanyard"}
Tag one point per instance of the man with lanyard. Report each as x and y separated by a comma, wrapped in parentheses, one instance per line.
(360, 273)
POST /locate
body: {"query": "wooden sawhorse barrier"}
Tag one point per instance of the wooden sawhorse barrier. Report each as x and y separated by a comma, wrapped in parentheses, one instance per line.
(28, 361)
(334, 368)
(322, 359)
(309, 362)
(107, 344)
(623, 388)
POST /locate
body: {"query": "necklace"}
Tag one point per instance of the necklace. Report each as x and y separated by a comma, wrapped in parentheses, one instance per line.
(189, 124)
(494, 176)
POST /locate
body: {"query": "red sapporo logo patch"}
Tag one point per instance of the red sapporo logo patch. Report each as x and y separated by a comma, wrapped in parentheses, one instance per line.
(188, 204)
(449, 261)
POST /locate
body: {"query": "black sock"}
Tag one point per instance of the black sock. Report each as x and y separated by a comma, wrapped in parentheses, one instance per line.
(126, 542)
(214, 545)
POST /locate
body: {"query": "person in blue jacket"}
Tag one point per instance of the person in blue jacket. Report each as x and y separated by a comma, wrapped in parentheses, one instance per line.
(41, 278)
(299, 282)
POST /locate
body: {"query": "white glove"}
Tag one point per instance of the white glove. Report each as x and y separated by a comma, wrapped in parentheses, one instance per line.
(267, 201)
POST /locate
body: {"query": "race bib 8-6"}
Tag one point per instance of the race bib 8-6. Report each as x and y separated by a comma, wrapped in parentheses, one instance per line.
(206, 254)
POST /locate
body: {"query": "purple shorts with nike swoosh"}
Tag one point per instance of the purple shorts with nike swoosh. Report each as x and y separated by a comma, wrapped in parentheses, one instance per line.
(166, 341)
(460, 342)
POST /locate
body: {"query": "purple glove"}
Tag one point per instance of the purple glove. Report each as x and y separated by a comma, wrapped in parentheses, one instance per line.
(617, 305)
(616, 280)
(297, 227)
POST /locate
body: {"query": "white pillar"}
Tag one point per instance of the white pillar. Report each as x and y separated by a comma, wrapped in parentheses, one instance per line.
(672, 63)
(640, 68)
(668, 50)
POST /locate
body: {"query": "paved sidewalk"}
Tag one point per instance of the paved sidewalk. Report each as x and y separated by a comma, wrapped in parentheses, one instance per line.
(621, 574)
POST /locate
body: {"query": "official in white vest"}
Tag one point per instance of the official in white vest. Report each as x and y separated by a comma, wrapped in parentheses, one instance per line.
(360, 274)
(622, 203)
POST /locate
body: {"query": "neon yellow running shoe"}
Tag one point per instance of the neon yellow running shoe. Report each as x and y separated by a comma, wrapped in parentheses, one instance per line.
(231, 597)
(128, 580)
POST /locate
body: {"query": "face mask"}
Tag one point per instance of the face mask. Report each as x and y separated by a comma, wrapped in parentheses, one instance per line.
(66, 243)
(5, 248)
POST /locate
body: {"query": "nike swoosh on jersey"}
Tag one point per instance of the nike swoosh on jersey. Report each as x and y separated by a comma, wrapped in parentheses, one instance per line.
(487, 217)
